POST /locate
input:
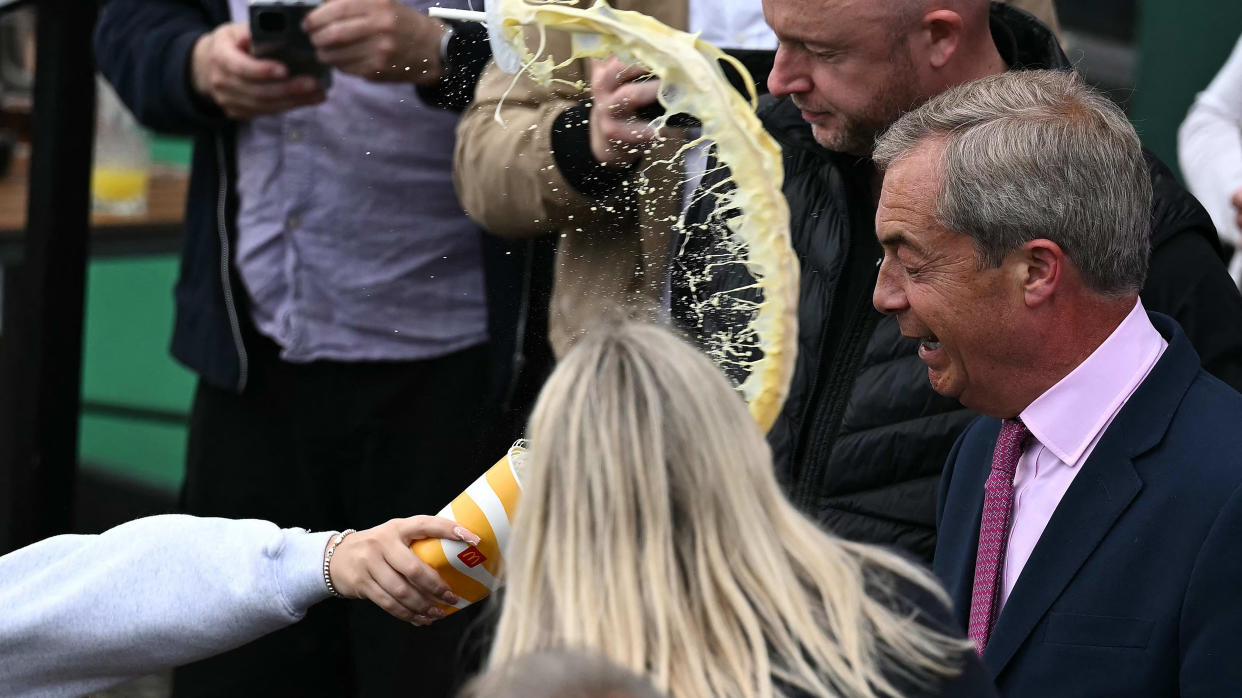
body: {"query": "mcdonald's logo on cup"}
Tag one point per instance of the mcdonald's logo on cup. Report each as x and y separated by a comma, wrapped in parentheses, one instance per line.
(486, 508)
(471, 557)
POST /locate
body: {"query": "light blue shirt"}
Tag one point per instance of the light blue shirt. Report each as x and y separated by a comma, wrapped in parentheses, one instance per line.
(351, 242)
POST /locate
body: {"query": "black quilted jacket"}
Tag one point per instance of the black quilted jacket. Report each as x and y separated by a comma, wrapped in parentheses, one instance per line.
(862, 439)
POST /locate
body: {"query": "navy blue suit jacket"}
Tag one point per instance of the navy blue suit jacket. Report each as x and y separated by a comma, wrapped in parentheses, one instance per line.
(1135, 587)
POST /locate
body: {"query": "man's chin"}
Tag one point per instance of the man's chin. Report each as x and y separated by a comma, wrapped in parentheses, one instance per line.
(840, 142)
(941, 383)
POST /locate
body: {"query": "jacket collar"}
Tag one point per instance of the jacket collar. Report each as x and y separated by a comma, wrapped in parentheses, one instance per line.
(1099, 495)
(1024, 42)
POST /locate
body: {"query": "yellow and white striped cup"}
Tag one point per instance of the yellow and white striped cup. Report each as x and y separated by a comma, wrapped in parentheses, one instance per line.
(486, 508)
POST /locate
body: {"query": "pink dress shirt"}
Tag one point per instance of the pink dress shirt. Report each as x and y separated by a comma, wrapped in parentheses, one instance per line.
(1067, 422)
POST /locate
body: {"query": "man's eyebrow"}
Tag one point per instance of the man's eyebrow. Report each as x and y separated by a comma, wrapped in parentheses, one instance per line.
(820, 45)
(812, 44)
(809, 39)
(898, 238)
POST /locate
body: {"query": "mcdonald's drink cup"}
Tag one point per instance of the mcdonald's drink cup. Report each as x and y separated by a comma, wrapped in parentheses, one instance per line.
(486, 508)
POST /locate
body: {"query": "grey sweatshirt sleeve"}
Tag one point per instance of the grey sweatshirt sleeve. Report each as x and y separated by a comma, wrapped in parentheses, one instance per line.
(80, 613)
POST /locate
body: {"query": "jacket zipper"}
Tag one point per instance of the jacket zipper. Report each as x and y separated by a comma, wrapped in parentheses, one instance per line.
(222, 231)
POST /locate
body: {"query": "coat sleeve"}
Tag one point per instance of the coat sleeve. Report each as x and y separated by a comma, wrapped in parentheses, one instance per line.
(468, 54)
(143, 48)
(523, 164)
(1209, 146)
(85, 612)
(1212, 611)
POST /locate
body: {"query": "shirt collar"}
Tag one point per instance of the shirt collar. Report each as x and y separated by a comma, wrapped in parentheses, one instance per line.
(1070, 416)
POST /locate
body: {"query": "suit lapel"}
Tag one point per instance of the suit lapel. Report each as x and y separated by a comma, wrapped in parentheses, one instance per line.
(1091, 506)
(958, 537)
(1099, 495)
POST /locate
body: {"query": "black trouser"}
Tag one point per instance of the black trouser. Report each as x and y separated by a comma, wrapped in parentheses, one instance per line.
(327, 446)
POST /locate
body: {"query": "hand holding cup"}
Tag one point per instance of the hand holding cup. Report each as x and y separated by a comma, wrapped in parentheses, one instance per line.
(618, 134)
(377, 564)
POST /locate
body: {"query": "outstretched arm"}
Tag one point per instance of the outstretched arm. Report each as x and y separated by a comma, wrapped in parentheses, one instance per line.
(85, 612)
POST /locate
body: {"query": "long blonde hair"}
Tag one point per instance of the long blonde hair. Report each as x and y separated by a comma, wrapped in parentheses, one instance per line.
(652, 531)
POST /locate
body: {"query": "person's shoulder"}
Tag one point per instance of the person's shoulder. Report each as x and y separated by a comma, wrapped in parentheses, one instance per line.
(1213, 409)
(1199, 454)
(1174, 209)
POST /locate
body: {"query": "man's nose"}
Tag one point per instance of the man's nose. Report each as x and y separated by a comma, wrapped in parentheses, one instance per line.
(889, 296)
(788, 75)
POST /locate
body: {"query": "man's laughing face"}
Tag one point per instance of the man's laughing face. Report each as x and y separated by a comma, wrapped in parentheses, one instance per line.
(932, 279)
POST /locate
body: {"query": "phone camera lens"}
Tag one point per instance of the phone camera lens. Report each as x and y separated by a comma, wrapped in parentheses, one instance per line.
(272, 22)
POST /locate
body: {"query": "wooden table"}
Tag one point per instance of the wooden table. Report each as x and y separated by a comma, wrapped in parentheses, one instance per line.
(158, 230)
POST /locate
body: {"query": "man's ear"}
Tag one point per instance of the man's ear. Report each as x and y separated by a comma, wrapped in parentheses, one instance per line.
(1043, 270)
(942, 30)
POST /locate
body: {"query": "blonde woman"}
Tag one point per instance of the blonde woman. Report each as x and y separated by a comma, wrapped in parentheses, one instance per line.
(653, 533)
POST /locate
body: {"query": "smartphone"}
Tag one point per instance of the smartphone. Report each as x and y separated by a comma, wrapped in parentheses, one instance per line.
(276, 33)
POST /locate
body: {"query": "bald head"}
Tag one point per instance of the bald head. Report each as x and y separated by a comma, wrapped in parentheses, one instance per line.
(854, 66)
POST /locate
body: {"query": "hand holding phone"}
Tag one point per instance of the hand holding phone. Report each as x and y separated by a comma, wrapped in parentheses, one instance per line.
(380, 40)
(277, 33)
(225, 73)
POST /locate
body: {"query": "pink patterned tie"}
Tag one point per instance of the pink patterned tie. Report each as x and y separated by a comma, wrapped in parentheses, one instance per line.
(994, 531)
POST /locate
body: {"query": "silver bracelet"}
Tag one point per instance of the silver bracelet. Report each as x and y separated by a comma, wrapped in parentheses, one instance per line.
(327, 561)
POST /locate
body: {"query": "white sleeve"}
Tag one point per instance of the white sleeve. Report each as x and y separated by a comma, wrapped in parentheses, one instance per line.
(80, 613)
(1209, 146)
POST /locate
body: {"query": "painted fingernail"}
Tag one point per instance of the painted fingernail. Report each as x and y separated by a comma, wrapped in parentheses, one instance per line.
(436, 613)
(449, 597)
(466, 536)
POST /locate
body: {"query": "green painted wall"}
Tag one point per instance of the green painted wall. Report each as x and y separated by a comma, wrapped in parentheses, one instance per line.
(150, 452)
(129, 310)
(1181, 45)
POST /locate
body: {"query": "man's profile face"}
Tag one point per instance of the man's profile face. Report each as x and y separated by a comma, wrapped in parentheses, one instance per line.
(931, 279)
(846, 64)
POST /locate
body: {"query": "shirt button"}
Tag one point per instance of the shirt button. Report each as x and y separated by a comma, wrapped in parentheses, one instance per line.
(295, 135)
(292, 221)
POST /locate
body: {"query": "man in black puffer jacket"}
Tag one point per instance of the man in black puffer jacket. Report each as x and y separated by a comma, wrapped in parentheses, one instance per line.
(862, 438)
